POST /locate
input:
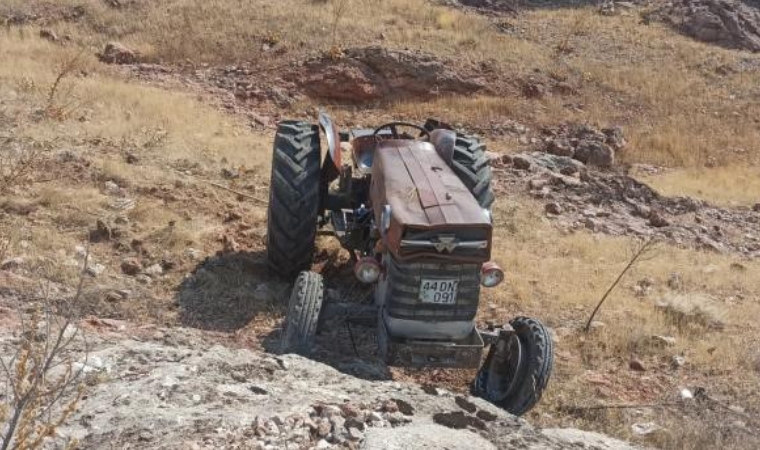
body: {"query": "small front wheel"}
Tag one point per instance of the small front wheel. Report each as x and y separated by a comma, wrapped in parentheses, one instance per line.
(517, 368)
(303, 314)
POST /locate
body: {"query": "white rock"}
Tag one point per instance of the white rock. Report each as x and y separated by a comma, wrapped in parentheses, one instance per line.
(322, 444)
(686, 394)
(111, 188)
(193, 253)
(155, 269)
(96, 269)
(645, 429)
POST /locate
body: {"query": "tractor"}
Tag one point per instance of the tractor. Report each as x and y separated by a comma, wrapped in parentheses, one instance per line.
(411, 204)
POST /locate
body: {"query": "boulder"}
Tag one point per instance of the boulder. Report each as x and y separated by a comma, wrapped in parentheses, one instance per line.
(593, 153)
(374, 73)
(116, 53)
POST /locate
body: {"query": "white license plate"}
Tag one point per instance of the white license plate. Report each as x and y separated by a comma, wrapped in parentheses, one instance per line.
(441, 291)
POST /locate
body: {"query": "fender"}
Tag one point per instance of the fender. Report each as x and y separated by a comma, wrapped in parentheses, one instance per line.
(333, 138)
(444, 142)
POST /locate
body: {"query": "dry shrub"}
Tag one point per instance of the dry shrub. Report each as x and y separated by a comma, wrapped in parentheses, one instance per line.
(18, 160)
(43, 376)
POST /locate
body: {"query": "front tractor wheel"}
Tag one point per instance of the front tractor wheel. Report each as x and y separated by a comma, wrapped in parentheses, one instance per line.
(517, 368)
(305, 304)
(293, 198)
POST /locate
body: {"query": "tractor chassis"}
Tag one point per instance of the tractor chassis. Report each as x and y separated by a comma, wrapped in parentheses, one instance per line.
(465, 353)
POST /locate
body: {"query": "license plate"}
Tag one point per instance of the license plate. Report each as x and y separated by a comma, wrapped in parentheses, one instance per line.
(441, 291)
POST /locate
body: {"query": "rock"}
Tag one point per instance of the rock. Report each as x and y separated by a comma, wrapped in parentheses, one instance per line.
(352, 422)
(594, 153)
(677, 361)
(686, 394)
(729, 23)
(756, 207)
(374, 417)
(658, 220)
(48, 35)
(116, 53)
(111, 188)
(521, 162)
(637, 365)
(645, 429)
(350, 410)
(131, 266)
(560, 147)
(355, 435)
(389, 406)
(12, 263)
(96, 269)
(614, 138)
(102, 232)
(367, 74)
(666, 341)
(131, 158)
(486, 415)
(323, 444)
(465, 404)
(553, 208)
(144, 279)
(323, 427)
(154, 270)
(458, 420)
(193, 254)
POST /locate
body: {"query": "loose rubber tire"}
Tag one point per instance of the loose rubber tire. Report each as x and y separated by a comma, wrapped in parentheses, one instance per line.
(305, 304)
(471, 164)
(293, 198)
(536, 368)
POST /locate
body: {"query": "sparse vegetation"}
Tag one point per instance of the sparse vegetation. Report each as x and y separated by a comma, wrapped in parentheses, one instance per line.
(161, 147)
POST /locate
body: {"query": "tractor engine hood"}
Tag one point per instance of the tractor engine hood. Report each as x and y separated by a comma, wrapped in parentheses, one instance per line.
(432, 213)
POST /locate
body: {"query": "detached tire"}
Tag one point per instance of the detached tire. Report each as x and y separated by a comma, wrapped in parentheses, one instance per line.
(293, 198)
(515, 379)
(303, 314)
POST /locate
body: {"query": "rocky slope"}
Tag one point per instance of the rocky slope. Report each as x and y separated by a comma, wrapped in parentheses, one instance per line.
(177, 389)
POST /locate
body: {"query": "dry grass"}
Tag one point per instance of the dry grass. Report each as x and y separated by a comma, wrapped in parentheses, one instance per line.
(559, 278)
(731, 185)
(660, 86)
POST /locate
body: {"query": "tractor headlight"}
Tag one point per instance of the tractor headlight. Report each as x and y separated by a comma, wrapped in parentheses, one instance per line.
(367, 270)
(491, 275)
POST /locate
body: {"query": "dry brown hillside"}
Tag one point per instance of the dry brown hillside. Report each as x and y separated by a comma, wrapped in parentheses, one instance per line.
(121, 153)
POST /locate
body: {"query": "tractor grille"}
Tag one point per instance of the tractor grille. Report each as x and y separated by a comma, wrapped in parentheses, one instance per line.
(403, 291)
(469, 243)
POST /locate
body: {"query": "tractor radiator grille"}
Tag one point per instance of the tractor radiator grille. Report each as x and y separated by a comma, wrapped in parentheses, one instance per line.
(402, 296)
(472, 244)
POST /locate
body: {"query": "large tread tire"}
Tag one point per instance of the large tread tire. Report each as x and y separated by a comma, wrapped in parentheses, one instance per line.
(470, 163)
(303, 314)
(293, 198)
(535, 371)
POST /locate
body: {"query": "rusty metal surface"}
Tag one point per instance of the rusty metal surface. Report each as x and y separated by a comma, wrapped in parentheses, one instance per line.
(465, 354)
(424, 194)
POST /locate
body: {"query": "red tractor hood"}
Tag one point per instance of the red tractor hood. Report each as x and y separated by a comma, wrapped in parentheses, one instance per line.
(425, 195)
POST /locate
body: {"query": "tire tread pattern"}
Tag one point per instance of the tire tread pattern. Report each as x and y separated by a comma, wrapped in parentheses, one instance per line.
(293, 198)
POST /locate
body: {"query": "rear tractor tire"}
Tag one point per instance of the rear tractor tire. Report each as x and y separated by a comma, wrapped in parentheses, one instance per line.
(305, 304)
(293, 198)
(471, 164)
(517, 368)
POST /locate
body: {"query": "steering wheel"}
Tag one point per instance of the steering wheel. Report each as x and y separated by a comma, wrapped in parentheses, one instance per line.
(393, 126)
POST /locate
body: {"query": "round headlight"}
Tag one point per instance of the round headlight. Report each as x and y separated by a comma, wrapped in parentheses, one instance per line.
(491, 275)
(367, 270)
